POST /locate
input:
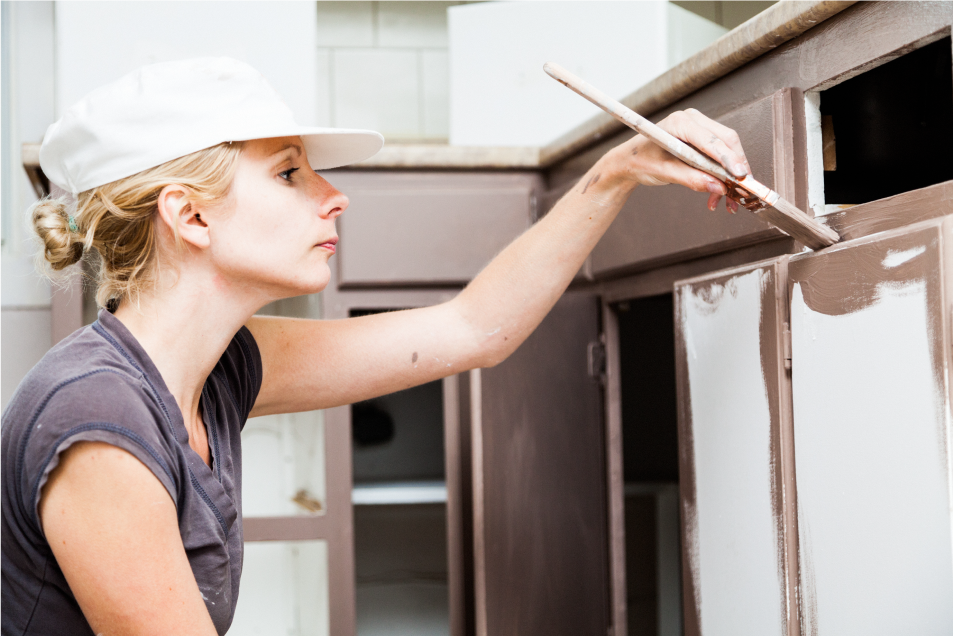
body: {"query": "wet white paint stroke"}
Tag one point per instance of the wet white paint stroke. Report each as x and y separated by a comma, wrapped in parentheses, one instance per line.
(737, 581)
(896, 258)
(873, 475)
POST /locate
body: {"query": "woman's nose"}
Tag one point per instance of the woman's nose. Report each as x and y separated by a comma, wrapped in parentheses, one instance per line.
(336, 205)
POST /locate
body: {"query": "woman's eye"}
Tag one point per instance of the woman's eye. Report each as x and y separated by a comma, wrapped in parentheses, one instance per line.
(286, 174)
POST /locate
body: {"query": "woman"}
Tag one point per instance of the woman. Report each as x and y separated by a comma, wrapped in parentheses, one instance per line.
(196, 193)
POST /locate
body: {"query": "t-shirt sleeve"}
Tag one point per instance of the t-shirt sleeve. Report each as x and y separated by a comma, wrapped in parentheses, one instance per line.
(241, 370)
(101, 407)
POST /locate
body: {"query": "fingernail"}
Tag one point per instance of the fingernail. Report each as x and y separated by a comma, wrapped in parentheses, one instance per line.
(714, 187)
(740, 170)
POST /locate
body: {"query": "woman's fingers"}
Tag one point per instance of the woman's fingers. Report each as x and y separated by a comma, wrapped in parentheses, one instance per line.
(716, 141)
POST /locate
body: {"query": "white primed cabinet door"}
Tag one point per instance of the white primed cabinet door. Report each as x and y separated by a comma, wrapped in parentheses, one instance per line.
(871, 400)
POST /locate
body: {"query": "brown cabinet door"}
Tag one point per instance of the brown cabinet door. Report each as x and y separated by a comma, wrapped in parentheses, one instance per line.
(539, 509)
(735, 462)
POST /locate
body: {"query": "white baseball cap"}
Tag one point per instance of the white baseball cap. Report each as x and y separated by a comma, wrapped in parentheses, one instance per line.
(168, 110)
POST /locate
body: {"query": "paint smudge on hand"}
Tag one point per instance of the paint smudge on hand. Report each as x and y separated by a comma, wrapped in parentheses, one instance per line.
(413, 358)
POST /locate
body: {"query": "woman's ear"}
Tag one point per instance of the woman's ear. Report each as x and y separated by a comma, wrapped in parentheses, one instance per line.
(179, 216)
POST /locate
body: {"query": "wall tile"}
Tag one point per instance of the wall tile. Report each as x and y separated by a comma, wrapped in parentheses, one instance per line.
(412, 24)
(322, 89)
(346, 24)
(435, 100)
(378, 89)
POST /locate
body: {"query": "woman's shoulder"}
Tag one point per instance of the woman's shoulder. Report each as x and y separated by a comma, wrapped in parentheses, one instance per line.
(84, 370)
(84, 389)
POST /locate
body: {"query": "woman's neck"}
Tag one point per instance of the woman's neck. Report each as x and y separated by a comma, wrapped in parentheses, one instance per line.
(185, 329)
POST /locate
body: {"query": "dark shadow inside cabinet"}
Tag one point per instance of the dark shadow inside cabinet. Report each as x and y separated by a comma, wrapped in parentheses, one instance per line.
(400, 513)
(650, 466)
(888, 130)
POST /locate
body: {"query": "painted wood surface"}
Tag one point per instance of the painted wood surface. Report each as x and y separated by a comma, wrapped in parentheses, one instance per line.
(732, 417)
(663, 224)
(432, 229)
(870, 351)
(540, 533)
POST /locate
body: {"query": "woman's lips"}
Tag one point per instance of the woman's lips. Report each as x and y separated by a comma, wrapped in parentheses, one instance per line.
(330, 245)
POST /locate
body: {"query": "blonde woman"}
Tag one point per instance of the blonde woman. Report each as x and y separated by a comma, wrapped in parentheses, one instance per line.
(196, 193)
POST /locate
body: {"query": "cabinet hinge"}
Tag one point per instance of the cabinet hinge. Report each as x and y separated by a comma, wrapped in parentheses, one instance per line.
(787, 346)
(597, 360)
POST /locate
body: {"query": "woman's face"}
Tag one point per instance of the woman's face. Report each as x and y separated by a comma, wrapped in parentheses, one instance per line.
(275, 233)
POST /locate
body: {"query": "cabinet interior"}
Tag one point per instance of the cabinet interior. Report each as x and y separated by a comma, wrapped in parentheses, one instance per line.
(650, 465)
(400, 512)
(889, 130)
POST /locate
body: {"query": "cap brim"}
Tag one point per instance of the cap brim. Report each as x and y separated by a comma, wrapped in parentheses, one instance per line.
(335, 147)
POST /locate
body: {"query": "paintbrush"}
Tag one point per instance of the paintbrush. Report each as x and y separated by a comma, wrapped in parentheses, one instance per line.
(748, 192)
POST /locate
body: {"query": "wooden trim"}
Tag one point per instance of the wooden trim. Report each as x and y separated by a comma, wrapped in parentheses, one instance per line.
(290, 528)
(662, 280)
(893, 212)
(788, 481)
(455, 535)
(691, 610)
(66, 304)
(342, 578)
(30, 157)
(615, 477)
(479, 527)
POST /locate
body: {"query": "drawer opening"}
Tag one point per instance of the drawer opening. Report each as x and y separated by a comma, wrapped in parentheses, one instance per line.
(886, 131)
(400, 512)
(650, 466)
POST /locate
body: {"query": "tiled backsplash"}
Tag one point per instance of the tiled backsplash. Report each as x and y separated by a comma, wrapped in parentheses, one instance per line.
(384, 65)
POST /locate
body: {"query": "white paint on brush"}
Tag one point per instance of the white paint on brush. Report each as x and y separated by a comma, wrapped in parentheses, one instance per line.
(873, 466)
(895, 258)
(737, 546)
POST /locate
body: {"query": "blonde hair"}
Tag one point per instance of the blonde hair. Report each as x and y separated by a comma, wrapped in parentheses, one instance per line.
(118, 220)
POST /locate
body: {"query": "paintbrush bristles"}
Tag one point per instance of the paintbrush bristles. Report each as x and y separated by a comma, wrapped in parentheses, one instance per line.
(799, 225)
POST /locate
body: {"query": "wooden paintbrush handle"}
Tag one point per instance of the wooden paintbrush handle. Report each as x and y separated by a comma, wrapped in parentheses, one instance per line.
(638, 123)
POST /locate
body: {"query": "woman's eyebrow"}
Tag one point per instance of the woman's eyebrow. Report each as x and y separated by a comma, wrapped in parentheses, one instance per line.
(294, 147)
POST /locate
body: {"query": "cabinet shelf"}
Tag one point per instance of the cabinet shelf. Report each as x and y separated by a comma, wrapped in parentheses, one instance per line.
(401, 492)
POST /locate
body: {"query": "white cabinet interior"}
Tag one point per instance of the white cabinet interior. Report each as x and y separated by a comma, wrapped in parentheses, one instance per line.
(400, 514)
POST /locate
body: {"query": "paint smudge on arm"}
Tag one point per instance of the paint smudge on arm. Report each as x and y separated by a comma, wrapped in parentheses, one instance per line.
(592, 181)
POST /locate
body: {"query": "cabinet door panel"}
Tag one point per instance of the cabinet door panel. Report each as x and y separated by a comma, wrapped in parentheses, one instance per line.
(433, 229)
(734, 446)
(539, 484)
(872, 434)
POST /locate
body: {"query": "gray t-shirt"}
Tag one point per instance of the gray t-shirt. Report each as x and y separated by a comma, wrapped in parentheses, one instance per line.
(100, 385)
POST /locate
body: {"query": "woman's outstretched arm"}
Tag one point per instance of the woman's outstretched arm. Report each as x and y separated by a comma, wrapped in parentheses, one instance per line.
(318, 364)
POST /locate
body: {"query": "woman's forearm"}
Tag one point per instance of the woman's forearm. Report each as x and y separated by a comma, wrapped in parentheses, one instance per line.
(512, 295)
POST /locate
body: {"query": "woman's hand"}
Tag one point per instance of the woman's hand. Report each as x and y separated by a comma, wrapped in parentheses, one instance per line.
(645, 162)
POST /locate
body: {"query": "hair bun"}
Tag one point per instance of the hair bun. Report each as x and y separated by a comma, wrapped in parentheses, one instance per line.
(62, 246)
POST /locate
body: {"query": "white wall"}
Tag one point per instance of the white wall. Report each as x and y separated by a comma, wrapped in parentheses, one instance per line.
(27, 36)
(98, 42)
(499, 94)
